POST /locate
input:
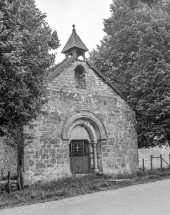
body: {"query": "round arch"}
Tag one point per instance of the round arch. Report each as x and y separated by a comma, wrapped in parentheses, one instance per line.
(89, 120)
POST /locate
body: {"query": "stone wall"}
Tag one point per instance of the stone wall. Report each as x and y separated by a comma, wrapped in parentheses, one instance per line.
(47, 156)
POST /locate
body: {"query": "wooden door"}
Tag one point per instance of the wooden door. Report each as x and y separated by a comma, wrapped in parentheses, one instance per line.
(79, 156)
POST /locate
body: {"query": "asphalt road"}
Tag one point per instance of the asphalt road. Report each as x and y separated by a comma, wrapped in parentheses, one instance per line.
(145, 199)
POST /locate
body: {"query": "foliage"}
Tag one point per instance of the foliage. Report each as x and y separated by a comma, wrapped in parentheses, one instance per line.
(25, 44)
(135, 56)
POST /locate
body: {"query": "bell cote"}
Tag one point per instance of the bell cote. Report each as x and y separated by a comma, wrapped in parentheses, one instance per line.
(74, 45)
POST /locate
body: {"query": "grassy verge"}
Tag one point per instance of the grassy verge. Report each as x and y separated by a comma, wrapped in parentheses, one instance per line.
(73, 186)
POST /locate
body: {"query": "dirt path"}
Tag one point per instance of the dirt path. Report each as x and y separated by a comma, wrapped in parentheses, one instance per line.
(145, 199)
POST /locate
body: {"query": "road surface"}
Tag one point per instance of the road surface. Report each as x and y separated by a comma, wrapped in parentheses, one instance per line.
(145, 199)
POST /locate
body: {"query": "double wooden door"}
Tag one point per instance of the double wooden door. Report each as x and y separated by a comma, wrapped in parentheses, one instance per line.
(79, 156)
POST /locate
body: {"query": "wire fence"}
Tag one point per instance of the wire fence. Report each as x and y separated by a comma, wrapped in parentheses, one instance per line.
(154, 158)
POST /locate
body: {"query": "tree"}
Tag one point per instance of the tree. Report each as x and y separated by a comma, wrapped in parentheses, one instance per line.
(135, 55)
(25, 44)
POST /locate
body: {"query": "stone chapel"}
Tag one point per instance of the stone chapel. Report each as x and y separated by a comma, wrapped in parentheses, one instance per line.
(86, 126)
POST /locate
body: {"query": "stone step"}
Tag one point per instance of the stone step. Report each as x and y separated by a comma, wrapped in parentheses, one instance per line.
(119, 180)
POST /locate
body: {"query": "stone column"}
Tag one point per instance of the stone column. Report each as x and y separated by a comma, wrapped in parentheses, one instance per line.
(99, 155)
(91, 156)
(95, 157)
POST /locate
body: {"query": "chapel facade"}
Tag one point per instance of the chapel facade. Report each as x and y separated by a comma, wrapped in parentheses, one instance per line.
(86, 126)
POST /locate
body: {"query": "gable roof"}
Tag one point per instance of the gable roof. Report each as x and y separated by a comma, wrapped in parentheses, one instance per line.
(104, 78)
(69, 60)
(55, 71)
(74, 42)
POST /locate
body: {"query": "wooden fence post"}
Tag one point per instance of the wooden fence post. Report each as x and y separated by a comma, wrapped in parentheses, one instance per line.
(22, 180)
(151, 162)
(161, 160)
(9, 182)
(19, 179)
(143, 165)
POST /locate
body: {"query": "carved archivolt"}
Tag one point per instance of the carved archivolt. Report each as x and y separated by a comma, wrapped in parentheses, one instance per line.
(89, 120)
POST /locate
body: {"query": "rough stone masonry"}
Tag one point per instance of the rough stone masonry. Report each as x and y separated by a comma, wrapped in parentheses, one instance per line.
(47, 157)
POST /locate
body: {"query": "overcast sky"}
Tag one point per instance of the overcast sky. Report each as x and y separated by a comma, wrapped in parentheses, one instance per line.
(87, 15)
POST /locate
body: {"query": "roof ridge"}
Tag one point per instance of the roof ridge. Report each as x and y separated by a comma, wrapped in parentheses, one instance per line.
(61, 67)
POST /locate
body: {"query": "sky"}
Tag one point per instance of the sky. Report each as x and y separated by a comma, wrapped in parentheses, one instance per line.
(87, 15)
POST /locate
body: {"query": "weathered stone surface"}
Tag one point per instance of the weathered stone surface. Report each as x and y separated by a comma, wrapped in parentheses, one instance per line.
(117, 153)
(30, 162)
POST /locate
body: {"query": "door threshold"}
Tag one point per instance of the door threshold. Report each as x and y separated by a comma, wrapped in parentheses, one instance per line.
(79, 175)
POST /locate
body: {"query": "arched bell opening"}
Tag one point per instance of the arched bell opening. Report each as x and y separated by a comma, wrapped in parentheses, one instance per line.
(80, 78)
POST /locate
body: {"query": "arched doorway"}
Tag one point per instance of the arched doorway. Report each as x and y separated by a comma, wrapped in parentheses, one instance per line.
(84, 130)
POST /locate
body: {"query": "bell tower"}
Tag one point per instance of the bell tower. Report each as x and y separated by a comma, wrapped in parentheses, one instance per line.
(74, 45)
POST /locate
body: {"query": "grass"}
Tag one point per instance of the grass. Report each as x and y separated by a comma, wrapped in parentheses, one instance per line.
(73, 186)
